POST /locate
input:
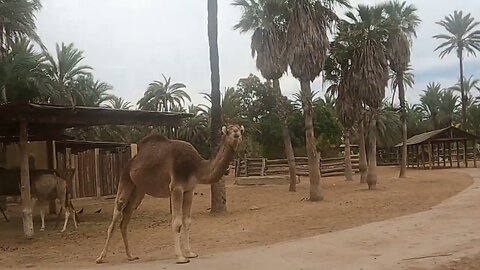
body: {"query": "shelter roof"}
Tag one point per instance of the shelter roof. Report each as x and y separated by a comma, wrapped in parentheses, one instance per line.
(49, 121)
(448, 134)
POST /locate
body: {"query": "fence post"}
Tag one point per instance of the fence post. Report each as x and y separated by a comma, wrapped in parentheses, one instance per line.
(133, 149)
(262, 172)
(97, 172)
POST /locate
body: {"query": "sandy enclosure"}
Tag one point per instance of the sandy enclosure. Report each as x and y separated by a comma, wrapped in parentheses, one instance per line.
(258, 215)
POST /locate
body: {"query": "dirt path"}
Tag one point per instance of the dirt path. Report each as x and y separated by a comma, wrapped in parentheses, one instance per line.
(449, 231)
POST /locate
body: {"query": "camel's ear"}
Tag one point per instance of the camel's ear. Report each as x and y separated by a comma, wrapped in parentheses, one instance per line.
(242, 129)
(224, 130)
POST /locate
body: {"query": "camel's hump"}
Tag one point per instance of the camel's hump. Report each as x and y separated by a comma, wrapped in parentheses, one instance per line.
(152, 138)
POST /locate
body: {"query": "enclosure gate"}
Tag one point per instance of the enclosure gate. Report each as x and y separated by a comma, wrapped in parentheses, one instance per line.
(97, 172)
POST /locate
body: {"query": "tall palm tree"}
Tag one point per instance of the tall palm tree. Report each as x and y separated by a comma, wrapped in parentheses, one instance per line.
(447, 108)
(307, 45)
(338, 72)
(408, 80)
(91, 92)
(63, 72)
(429, 101)
(219, 196)
(266, 19)
(22, 76)
(402, 21)
(115, 102)
(367, 29)
(163, 96)
(463, 37)
(17, 20)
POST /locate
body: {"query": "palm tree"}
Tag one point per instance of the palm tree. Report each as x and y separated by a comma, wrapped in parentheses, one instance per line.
(266, 19)
(63, 72)
(463, 38)
(91, 92)
(416, 120)
(17, 20)
(402, 21)
(22, 76)
(430, 103)
(119, 103)
(219, 196)
(338, 72)
(367, 32)
(408, 80)
(307, 45)
(163, 96)
(447, 108)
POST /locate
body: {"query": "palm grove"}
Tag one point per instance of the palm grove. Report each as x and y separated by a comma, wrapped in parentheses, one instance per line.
(370, 44)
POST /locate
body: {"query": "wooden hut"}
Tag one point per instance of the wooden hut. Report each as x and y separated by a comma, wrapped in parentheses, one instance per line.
(23, 122)
(441, 148)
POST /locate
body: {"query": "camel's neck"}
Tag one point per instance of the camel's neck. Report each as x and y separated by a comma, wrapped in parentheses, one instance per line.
(212, 170)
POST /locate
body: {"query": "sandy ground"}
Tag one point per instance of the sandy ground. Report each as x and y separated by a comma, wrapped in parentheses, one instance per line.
(444, 234)
(278, 216)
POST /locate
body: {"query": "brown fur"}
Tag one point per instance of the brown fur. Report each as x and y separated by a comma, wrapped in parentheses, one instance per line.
(169, 168)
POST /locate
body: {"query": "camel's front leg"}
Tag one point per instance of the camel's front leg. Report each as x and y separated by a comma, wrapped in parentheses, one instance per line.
(187, 220)
(177, 202)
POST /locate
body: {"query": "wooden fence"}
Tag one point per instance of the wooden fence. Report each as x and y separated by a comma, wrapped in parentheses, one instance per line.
(264, 167)
(96, 171)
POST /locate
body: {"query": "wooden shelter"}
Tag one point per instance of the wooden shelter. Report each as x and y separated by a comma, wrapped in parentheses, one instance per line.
(23, 122)
(441, 148)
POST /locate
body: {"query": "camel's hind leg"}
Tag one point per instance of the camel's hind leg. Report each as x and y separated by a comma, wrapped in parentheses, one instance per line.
(133, 203)
(125, 189)
(187, 220)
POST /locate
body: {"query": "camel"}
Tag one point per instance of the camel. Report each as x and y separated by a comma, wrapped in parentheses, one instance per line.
(47, 187)
(166, 168)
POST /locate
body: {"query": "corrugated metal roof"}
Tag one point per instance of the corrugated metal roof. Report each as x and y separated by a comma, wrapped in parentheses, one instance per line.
(432, 135)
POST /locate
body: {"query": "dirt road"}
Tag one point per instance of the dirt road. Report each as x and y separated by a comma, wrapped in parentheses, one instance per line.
(447, 232)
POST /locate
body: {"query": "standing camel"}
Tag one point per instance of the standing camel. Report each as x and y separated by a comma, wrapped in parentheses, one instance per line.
(169, 168)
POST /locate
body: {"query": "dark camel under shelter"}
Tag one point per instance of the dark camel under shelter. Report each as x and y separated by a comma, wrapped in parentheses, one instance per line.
(441, 148)
(25, 122)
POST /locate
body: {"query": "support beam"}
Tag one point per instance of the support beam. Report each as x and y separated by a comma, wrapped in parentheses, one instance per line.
(475, 153)
(465, 153)
(430, 153)
(423, 156)
(52, 206)
(416, 155)
(97, 173)
(25, 182)
(450, 157)
(458, 154)
(444, 155)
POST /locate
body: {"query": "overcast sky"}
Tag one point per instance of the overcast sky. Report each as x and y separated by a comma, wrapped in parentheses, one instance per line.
(130, 43)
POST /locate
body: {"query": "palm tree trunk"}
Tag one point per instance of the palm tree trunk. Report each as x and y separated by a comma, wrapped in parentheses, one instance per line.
(462, 90)
(348, 158)
(287, 141)
(403, 116)
(362, 152)
(372, 154)
(219, 196)
(313, 162)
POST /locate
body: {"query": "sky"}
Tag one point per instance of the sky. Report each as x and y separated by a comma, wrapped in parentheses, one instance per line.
(131, 43)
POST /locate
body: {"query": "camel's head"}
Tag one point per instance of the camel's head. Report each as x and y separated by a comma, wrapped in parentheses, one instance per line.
(233, 135)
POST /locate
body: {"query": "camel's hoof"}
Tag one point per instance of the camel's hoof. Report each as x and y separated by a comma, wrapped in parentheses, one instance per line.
(131, 259)
(42, 229)
(191, 255)
(99, 260)
(182, 260)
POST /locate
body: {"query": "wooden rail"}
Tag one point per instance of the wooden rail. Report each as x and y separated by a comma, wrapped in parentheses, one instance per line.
(265, 167)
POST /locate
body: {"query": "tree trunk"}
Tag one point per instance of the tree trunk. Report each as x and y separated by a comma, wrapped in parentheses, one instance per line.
(313, 163)
(287, 142)
(363, 153)
(348, 158)
(403, 117)
(219, 196)
(462, 90)
(372, 154)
